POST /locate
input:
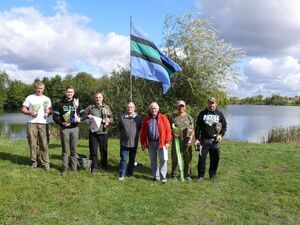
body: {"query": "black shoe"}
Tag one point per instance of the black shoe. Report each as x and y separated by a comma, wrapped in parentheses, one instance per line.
(213, 178)
(94, 172)
(188, 178)
(63, 172)
(174, 179)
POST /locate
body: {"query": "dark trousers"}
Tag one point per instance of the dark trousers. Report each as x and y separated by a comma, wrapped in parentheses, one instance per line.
(213, 148)
(124, 152)
(95, 141)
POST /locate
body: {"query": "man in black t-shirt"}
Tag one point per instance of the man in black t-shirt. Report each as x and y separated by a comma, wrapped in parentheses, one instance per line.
(210, 129)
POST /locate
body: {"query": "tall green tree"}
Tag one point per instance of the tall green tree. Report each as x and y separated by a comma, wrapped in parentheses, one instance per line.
(85, 85)
(17, 93)
(4, 85)
(208, 62)
(54, 88)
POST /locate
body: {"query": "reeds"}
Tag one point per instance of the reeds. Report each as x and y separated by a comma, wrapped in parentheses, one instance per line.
(3, 135)
(284, 135)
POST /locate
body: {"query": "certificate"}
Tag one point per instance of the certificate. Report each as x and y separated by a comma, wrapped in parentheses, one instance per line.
(95, 123)
(165, 153)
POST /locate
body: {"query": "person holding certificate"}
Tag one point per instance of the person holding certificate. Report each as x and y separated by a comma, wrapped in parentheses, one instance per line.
(156, 137)
(68, 113)
(100, 117)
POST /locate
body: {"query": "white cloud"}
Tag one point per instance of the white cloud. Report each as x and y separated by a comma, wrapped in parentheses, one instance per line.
(264, 76)
(261, 28)
(268, 31)
(33, 45)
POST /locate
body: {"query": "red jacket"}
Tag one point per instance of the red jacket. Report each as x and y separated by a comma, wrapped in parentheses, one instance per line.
(164, 131)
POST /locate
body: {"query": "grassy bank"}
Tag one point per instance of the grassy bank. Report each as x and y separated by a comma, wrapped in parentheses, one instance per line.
(257, 184)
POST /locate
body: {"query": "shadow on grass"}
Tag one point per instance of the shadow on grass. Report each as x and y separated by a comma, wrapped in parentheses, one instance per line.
(22, 160)
(52, 146)
(139, 171)
(16, 159)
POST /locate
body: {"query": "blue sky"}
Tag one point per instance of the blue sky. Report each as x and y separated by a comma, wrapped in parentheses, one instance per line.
(48, 37)
(114, 15)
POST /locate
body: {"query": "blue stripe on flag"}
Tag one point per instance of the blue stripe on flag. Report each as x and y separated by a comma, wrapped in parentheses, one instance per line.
(150, 71)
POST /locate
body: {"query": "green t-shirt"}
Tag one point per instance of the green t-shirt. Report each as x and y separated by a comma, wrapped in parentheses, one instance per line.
(185, 124)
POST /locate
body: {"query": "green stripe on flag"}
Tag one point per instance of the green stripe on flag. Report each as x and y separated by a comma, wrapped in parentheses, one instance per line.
(144, 50)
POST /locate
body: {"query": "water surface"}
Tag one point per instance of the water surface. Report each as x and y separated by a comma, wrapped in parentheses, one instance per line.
(245, 122)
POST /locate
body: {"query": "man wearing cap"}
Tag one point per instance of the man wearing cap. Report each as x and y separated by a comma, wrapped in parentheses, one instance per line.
(184, 122)
(210, 129)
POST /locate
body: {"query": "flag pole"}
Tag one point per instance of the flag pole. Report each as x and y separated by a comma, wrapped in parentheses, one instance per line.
(130, 62)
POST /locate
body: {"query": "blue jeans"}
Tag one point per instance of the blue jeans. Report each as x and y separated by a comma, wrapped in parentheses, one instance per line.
(124, 152)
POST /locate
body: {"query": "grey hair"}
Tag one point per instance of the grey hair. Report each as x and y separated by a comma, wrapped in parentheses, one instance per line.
(131, 104)
(38, 84)
(154, 104)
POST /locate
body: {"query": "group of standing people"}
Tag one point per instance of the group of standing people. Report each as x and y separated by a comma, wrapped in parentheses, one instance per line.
(156, 133)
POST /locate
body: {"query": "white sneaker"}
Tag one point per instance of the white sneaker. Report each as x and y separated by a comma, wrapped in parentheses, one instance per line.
(163, 181)
(121, 178)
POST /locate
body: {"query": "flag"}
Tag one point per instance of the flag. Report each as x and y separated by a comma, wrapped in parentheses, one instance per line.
(148, 62)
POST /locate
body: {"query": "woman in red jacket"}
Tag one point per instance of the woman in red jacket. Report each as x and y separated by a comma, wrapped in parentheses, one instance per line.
(156, 136)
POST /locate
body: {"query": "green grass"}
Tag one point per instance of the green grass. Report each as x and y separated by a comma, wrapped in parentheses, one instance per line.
(256, 184)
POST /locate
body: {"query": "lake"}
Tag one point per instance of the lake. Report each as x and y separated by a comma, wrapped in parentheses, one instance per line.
(251, 123)
(245, 122)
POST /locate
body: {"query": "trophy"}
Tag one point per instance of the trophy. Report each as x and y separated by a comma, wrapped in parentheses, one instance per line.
(105, 114)
(75, 104)
(45, 106)
(36, 109)
(218, 127)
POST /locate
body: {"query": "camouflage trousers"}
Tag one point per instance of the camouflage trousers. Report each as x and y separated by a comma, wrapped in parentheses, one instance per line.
(37, 140)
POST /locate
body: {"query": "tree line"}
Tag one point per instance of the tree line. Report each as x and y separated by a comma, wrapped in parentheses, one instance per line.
(261, 100)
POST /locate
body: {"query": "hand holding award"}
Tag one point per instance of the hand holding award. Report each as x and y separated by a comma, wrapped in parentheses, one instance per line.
(76, 105)
(45, 106)
(218, 127)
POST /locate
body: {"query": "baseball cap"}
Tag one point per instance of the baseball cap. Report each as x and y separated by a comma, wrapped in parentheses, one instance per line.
(180, 103)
